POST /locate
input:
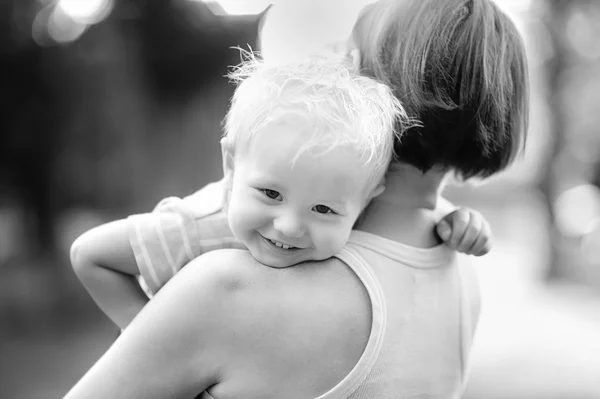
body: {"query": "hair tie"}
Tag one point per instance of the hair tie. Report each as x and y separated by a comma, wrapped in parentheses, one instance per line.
(466, 9)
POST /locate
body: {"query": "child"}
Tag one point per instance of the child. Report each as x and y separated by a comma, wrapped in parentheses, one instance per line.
(306, 148)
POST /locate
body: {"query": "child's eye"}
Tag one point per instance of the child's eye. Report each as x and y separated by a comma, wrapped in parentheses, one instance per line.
(324, 209)
(272, 194)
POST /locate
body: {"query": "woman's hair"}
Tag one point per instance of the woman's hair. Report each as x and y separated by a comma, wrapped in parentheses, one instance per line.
(459, 67)
(343, 107)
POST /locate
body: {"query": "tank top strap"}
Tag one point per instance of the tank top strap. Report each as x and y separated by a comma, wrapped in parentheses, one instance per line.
(353, 259)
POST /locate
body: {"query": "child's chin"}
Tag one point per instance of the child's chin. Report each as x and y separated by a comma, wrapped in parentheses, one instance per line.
(275, 262)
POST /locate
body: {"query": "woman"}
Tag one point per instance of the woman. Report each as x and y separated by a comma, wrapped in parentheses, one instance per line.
(392, 316)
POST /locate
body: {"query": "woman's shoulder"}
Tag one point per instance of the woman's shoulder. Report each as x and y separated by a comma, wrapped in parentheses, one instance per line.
(263, 291)
(236, 270)
(235, 278)
(315, 313)
(223, 269)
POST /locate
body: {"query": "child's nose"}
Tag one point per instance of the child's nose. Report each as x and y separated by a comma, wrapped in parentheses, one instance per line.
(289, 224)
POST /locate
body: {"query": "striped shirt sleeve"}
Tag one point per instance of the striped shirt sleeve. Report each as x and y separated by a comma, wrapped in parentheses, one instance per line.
(177, 231)
(162, 242)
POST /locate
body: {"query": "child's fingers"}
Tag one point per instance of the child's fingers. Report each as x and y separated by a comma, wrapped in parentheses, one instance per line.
(472, 233)
(460, 221)
(483, 244)
(444, 230)
(484, 247)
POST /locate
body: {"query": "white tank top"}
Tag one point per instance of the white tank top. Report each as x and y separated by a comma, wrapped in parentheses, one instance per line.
(425, 305)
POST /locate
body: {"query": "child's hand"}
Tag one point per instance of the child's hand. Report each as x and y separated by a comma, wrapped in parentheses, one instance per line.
(467, 231)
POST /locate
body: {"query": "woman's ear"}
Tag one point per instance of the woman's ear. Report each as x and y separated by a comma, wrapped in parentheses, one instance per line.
(354, 57)
(379, 188)
(377, 191)
(227, 155)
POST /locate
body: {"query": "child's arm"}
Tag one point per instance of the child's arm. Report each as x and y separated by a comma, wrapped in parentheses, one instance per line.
(154, 245)
(103, 260)
(108, 258)
(465, 230)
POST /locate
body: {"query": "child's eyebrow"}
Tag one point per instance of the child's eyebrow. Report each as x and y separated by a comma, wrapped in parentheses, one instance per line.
(265, 180)
(334, 203)
(261, 174)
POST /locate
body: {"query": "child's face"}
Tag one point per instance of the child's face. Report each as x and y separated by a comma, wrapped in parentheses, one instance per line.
(286, 213)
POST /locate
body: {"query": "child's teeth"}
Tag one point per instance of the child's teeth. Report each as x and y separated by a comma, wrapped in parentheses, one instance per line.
(280, 245)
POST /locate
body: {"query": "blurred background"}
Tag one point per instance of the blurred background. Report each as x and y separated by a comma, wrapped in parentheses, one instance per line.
(110, 105)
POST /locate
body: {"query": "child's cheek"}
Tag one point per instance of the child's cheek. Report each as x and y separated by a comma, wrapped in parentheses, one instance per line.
(241, 215)
(232, 207)
(233, 199)
(333, 239)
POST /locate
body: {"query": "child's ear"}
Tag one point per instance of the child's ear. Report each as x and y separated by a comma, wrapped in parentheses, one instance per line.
(227, 155)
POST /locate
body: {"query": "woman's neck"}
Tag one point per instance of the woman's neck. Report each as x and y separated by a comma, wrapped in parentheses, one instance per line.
(409, 186)
(408, 210)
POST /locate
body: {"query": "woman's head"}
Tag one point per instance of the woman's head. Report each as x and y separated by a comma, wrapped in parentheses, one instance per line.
(459, 67)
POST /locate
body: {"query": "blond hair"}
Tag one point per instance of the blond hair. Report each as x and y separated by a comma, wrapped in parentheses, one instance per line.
(349, 109)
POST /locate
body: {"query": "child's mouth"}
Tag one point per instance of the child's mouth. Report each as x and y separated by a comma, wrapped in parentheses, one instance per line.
(279, 244)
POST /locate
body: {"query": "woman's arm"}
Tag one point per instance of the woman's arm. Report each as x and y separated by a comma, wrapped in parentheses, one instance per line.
(177, 345)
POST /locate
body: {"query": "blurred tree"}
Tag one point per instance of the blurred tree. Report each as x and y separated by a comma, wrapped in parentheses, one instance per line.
(77, 118)
(185, 45)
(30, 128)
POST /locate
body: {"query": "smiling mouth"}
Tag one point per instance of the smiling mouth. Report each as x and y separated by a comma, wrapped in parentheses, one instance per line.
(279, 244)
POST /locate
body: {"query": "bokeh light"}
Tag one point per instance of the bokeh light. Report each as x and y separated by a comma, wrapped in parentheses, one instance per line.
(62, 28)
(582, 32)
(86, 11)
(65, 21)
(577, 210)
(235, 7)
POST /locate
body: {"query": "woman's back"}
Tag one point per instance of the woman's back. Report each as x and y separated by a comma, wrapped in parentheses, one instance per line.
(429, 309)
(294, 333)
(392, 321)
